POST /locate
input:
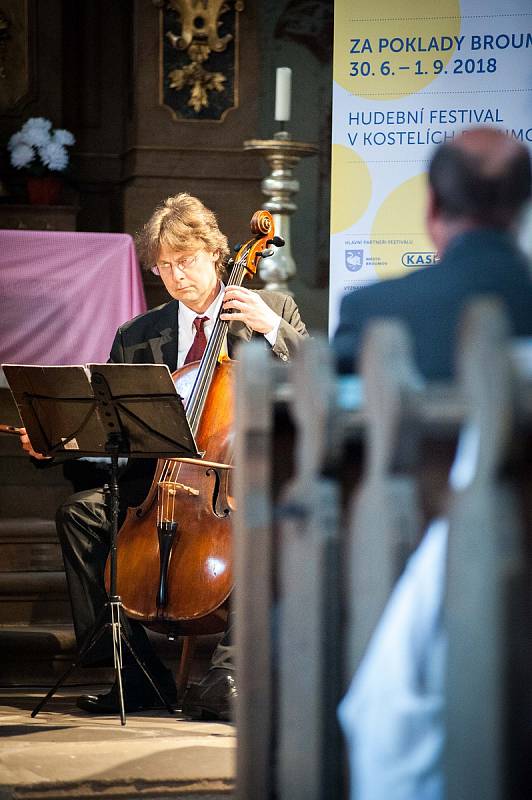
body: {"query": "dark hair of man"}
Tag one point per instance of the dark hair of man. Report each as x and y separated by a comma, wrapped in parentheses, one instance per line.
(485, 179)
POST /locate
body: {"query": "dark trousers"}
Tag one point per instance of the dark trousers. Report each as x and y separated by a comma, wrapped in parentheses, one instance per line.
(83, 526)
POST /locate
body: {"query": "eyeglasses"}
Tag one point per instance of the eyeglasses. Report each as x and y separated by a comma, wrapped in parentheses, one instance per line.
(183, 264)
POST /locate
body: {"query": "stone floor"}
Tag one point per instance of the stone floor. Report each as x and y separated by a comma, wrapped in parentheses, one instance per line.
(65, 753)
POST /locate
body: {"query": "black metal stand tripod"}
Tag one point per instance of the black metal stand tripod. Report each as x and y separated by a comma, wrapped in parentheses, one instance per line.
(110, 615)
(113, 410)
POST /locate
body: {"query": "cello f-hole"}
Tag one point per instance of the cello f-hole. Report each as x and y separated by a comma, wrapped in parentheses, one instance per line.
(219, 508)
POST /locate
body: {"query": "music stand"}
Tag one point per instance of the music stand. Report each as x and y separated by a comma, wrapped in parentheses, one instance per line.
(114, 410)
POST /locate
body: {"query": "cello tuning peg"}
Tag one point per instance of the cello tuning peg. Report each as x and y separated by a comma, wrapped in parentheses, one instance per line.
(267, 253)
(278, 241)
(237, 247)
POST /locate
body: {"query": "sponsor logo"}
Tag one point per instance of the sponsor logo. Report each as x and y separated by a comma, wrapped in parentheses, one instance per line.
(354, 260)
(419, 259)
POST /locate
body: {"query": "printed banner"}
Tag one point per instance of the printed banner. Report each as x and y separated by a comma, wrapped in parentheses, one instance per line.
(405, 81)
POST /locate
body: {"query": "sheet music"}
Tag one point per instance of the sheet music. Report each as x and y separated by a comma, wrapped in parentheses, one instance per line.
(64, 409)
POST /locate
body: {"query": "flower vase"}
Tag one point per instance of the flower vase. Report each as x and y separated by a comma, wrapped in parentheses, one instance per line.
(44, 191)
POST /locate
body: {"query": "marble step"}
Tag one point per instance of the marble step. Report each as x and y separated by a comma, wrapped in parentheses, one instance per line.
(38, 654)
(29, 544)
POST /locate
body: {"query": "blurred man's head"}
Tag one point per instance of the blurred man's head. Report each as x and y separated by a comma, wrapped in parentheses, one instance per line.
(480, 179)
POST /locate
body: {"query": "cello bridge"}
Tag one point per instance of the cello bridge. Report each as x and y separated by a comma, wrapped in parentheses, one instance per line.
(172, 487)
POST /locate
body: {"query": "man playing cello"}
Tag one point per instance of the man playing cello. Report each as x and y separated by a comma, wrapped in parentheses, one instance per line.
(182, 243)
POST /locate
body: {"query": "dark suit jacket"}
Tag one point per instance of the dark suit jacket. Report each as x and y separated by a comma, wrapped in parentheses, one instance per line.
(152, 337)
(430, 301)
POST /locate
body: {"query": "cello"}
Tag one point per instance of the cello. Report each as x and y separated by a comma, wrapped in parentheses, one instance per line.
(174, 551)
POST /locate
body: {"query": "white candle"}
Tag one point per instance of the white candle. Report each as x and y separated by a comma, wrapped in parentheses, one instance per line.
(283, 87)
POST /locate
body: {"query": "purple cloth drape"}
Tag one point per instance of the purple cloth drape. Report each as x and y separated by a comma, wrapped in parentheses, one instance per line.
(63, 295)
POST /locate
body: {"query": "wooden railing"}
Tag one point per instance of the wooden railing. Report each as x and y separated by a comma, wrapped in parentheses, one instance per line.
(332, 499)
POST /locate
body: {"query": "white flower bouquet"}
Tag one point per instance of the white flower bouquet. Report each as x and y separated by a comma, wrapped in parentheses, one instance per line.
(38, 148)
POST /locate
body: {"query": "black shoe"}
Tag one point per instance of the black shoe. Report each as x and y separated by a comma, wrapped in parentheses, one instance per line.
(139, 695)
(212, 697)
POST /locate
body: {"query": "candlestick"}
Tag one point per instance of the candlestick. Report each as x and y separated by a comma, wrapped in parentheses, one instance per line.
(283, 86)
(279, 187)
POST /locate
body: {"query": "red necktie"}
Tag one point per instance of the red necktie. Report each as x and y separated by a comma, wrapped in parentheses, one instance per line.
(199, 344)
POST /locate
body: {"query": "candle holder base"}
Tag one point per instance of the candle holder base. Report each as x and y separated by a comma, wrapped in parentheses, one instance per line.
(282, 154)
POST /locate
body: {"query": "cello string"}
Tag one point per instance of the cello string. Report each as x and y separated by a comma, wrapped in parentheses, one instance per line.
(161, 497)
(167, 491)
(203, 381)
(172, 515)
(165, 497)
(170, 499)
(200, 389)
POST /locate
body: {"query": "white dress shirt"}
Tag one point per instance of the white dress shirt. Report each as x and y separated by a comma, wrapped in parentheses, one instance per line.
(393, 713)
(187, 330)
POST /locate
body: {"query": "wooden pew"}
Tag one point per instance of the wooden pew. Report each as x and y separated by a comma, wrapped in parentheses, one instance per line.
(487, 593)
(254, 574)
(385, 520)
(287, 569)
(308, 514)
(322, 535)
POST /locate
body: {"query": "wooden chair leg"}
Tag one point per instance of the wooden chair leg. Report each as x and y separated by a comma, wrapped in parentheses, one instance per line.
(185, 662)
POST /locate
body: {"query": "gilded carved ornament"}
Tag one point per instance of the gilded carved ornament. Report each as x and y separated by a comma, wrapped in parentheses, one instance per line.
(200, 21)
(199, 79)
